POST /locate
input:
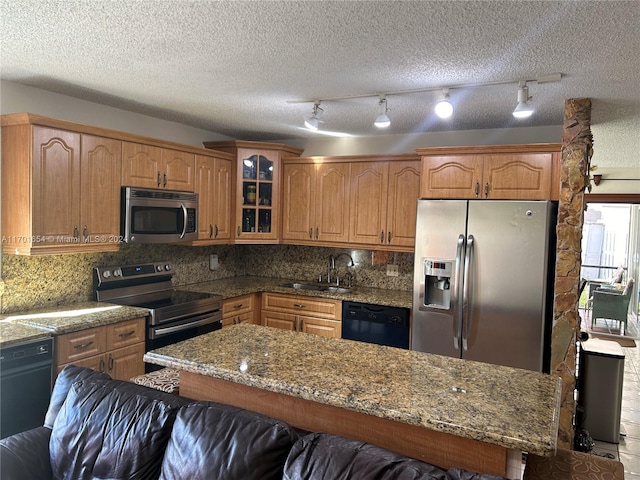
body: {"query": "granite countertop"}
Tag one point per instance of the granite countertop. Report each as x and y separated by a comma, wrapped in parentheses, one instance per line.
(509, 407)
(237, 286)
(18, 327)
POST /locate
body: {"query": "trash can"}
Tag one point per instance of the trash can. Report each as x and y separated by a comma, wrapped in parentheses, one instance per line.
(600, 377)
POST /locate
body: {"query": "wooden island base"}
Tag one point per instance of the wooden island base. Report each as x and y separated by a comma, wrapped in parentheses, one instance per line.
(437, 448)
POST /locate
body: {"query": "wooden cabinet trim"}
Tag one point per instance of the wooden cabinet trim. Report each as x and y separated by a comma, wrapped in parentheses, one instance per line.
(302, 305)
(491, 149)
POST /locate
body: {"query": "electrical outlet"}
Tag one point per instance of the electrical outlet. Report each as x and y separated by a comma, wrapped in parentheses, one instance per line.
(392, 270)
(213, 262)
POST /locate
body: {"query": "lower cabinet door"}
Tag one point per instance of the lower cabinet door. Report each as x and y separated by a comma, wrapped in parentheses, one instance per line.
(285, 321)
(125, 363)
(320, 326)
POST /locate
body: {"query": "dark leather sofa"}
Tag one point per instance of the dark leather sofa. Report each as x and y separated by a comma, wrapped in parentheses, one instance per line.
(99, 428)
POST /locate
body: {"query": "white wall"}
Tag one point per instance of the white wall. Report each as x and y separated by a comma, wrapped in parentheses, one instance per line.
(392, 144)
(16, 98)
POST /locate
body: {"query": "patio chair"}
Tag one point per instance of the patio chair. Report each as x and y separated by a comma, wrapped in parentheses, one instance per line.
(612, 305)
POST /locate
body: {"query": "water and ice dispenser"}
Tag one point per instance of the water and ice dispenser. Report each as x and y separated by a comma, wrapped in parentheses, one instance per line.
(437, 283)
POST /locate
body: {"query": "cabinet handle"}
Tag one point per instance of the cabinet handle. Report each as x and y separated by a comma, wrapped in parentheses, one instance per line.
(159, 179)
(210, 230)
(102, 365)
(126, 334)
(75, 231)
(110, 362)
(389, 236)
(486, 190)
(301, 324)
(298, 305)
(382, 236)
(85, 231)
(216, 235)
(317, 233)
(164, 184)
(238, 230)
(239, 305)
(477, 191)
(83, 345)
(311, 233)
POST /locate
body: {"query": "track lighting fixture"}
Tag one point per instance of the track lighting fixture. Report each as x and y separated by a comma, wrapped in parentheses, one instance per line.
(382, 120)
(523, 109)
(312, 121)
(444, 109)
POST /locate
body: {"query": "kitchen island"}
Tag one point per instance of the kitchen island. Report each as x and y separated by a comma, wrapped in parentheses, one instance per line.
(444, 411)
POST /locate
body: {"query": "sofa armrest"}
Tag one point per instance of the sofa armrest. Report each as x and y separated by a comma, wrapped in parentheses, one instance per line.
(25, 455)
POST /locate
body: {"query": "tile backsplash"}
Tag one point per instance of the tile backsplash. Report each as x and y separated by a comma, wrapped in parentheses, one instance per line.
(41, 281)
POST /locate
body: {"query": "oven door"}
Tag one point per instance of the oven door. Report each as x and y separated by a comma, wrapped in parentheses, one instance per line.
(172, 332)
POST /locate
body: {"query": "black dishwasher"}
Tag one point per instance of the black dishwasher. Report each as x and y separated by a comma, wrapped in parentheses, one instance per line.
(376, 324)
(25, 385)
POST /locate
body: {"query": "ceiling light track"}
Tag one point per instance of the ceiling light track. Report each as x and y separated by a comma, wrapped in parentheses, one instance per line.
(555, 77)
(444, 108)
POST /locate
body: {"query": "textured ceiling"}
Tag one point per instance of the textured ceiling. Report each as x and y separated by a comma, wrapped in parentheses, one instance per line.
(232, 67)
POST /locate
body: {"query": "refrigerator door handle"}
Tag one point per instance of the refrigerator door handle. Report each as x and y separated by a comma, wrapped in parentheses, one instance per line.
(457, 294)
(467, 294)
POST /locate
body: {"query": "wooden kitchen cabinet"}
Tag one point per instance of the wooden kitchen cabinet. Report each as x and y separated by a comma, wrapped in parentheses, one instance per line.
(116, 349)
(299, 313)
(503, 172)
(213, 185)
(60, 189)
(256, 181)
(383, 200)
(149, 166)
(315, 203)
(242, 309)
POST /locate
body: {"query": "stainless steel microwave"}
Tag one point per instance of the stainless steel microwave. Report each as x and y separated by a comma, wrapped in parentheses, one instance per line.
(158, 216)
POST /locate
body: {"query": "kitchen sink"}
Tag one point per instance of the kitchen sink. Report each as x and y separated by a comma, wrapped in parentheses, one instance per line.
(336, 290)
(304, 286)
(316, 287)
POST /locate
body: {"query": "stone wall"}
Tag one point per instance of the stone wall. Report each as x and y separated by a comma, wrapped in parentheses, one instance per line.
(574, 178)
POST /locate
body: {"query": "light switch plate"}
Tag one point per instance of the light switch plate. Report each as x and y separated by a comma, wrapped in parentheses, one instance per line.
(213, 262)
(392, 270)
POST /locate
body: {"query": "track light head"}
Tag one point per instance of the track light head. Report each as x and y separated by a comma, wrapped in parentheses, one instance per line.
(311, 122)
(523, 109)
(382, 120)
(443, 108)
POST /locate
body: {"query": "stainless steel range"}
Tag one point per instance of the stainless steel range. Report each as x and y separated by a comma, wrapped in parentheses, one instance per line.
(174, 315)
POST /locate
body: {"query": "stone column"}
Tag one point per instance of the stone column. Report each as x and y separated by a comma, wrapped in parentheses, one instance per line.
(574, 179)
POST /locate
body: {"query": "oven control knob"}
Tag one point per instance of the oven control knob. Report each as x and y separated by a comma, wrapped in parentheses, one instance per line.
(117, 273)
(106, 274)
(167, 267)
(159, 268)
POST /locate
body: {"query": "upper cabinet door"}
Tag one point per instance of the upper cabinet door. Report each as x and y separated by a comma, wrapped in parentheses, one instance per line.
(141, 165)
(368, 202)
(101, 164)
(56, 180)
(298, 196)
(332, 203)
(177, 170)
(213, 186)
(523, 176)
(451, 176)
(404, 191)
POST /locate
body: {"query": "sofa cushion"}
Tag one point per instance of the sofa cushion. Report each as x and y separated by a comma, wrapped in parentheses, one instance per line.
(111, 429)
(211, 440)
(320, 456)
(65, 379)
(25, 455)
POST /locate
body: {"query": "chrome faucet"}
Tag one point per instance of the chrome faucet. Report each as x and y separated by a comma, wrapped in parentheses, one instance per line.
(349, 275)
(330, 266)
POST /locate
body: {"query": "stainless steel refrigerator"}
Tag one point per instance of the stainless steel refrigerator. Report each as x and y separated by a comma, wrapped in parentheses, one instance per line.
(483, 281)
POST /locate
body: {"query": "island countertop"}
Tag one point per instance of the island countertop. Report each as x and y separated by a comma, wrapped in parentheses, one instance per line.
(512, 408)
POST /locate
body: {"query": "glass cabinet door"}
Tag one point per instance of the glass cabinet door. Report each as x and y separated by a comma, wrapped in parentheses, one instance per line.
(257, 194)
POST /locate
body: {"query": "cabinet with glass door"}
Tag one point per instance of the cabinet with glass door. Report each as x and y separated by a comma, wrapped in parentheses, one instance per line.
(257, 188)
